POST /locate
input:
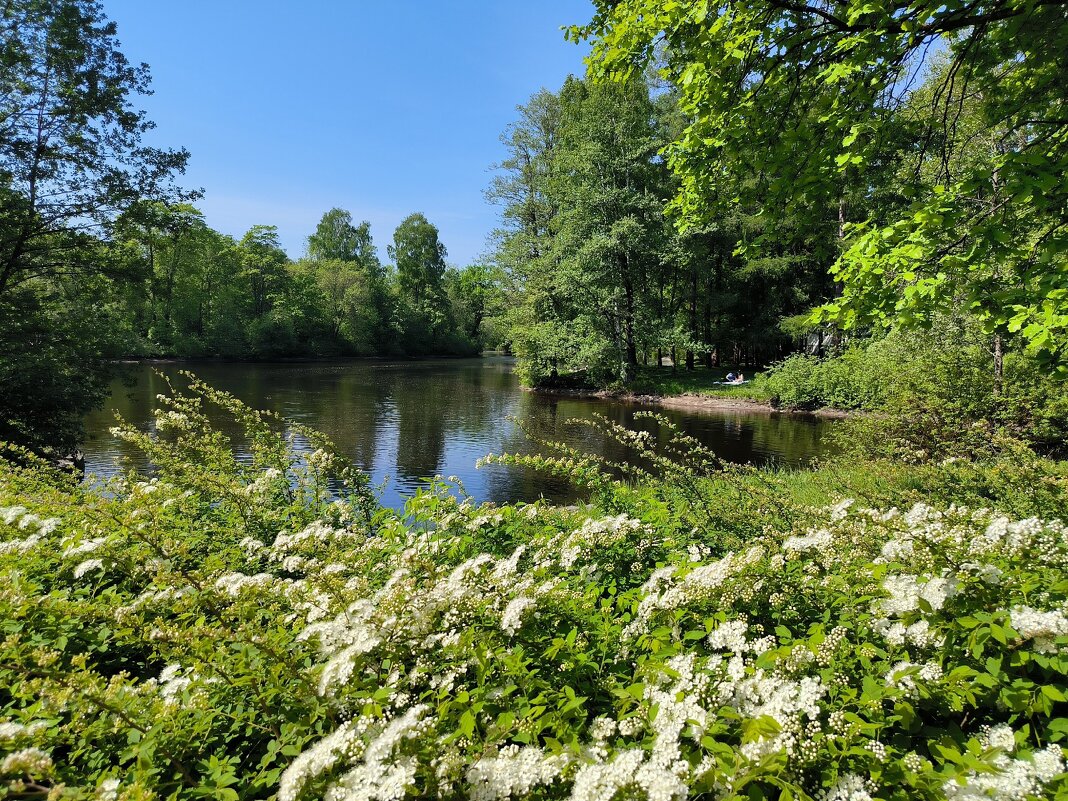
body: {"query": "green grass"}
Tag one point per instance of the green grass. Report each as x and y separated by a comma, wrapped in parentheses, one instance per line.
(1037, 487)
(699, 381)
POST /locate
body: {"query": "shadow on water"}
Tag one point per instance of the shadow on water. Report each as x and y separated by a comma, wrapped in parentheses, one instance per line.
(403, 422)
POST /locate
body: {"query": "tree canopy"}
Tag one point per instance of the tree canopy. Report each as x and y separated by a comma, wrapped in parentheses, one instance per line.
(791, 104)
(71, 149)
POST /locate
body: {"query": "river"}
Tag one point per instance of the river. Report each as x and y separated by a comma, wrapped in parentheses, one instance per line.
(404, 421)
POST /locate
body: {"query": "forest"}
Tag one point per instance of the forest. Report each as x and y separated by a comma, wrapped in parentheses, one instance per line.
(864, 203)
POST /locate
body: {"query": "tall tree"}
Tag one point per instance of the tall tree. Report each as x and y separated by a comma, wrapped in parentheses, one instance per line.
(71, 150)
(337, 238)
(350, 283)
(423, 308)
(583, 196)
(419, 257)
(611, 191)
(71, 160)
(263, 264)
(525, 248)
(521, 186)
(475, 294)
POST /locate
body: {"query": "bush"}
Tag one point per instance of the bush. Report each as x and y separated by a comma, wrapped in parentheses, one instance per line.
(246, 624)
(935, 391)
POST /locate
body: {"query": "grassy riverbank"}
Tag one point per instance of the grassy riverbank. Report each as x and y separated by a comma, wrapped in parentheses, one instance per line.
(700, 389)
(701, 381)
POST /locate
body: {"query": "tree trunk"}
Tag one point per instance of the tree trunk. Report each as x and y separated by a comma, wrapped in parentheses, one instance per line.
(999, 365)
(630, 368)
(692, 319)
(708, 356)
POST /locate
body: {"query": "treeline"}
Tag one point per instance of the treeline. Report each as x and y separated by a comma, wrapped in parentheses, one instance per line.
(160, 282)
(915, 153)
(192, 291)
(604, 280)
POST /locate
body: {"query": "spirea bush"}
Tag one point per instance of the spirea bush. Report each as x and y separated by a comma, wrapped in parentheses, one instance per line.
(244, 624)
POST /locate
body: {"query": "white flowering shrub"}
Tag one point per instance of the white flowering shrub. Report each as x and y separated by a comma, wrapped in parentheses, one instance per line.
(247, 626)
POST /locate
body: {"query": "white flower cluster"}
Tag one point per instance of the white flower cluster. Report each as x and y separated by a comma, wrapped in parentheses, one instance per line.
(1011, 779)
(382, 775)
(168, 418)
(108, 790)
(819, 540)
(173, 682)
(263, 483)
(897, 633)
(10, 515)
(1001, 737)
(317, 532)
(904, 675)
(320, 758)
(88, 566)
(234, 583)
(37, 529)
(849, 787)
(784, 700)
(78, 547)
(1042, 627)
(513, 773)
(512, 618)
(906, 591)
(26, 762)
(13, 730)
(632, 768)
(375, 772)
(681, 590)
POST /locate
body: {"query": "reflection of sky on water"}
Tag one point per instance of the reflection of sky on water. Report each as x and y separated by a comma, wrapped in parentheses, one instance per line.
(407, 421)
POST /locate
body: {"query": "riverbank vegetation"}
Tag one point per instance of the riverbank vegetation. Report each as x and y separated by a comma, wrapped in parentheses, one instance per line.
(195, 292)
(906, 237)
(240, 625)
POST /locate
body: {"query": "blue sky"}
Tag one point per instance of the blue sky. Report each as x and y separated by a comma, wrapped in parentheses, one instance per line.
(380, 108)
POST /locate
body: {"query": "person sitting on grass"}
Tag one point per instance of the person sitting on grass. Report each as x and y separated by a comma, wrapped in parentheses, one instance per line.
(730, 378)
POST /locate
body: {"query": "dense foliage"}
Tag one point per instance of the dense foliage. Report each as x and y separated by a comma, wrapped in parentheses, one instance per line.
(936, 390)
(72, 158)
(793, 104)
(601, 280)
(247, 624)
(201, 293)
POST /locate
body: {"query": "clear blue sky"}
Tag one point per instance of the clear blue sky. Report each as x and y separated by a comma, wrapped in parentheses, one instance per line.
(383, 109)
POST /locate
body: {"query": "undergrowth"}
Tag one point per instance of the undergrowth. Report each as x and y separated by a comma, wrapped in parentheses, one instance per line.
(248, 623)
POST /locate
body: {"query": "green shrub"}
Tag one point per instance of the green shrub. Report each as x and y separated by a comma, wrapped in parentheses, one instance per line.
(795, 382)
(246, 624)
(935, 393)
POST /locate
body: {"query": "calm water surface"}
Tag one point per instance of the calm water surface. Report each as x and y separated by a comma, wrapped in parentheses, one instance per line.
(406, 421)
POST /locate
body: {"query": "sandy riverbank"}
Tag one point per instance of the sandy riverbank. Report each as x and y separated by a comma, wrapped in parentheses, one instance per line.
(691, 402)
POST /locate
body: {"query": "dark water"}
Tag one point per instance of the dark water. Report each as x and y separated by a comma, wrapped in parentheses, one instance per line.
(406, 421)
